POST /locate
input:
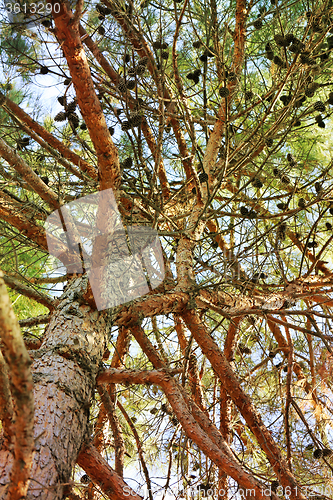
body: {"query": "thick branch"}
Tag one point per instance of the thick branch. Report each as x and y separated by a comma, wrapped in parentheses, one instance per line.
(108, 480)
(28, 175)
(218, 453)
(67, 32)
(18, 362)
(6, 403)
(27, 291)
(242, 401)
(116, 430)
(47, 137)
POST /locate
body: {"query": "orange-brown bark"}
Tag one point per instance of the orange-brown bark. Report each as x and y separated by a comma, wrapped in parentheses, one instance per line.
(68, 34)
(108, 480)
(207, 438)
(30, 292)
(64, 371)
(116, 429)
(92, 46)
(21, 387)
(47, 137)
(118, 359)
(30, 177)
(242, 401)
(194, 379)
(6, 404)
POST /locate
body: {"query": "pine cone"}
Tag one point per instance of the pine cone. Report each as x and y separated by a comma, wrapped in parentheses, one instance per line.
(301, 203)
(270, 55)
(231, 76)
(278, 61)
(122, 86)
(111, 130)
(296, 47)
(62, 100)
(309, 93)
(100, 9)
(328, 226)
(244, 211)
(248, 95)
(71, 107)
(197, 44)
(44, 70)
(291, 159)
(74, 120)
(281, 231)
(143, 61)
(85, 479)
(318, 187)
(140, 69)
(130, 84)
(258, 24)
(101, 30)
(289, 38)
(165, 55)
(285, 99)
(60, 117)
(281, 41)
(300, 101)
(47, 23)
(127, 163)
(256, 183)
(319, 106)
(126, 125)
(203, 177)
(285, 179)
(224, 92)
(135, 119)
(304, 58)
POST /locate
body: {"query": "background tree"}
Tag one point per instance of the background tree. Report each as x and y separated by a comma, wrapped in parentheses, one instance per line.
(211, 124)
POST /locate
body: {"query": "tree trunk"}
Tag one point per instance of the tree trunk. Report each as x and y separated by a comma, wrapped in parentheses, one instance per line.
(64, 372)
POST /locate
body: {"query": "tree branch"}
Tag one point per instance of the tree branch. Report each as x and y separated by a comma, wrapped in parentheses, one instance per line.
(18, 362)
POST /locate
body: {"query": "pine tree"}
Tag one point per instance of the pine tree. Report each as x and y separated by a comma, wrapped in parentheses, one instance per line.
(211, 123)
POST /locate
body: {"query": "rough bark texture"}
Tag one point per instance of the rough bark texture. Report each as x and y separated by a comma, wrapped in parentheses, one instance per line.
(14, 476)
(64, 371)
